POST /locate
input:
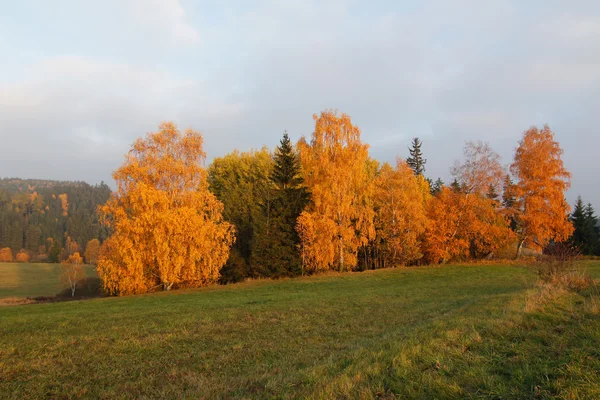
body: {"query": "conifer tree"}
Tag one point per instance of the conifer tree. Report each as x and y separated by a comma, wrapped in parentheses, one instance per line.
(437, 186)
(275, 251)
(584, 221)
(416, 162)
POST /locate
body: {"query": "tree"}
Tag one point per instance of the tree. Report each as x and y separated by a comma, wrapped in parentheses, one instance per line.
(339, 218)
(437, 186)
(72, 271)
(167, 226)
(584, 221)
(416, 162)
(6, 254)
(481, 171)
(241, 181)
(275, 248)
(462, 226)
(592, 243)
(542, 211)
(22, 256)
(401, 220)
(54, 252)
(92, 251)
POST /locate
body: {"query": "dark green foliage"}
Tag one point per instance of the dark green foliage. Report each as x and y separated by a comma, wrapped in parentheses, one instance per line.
(241, 181)
(54, 252)
(437, 186)
(28, 220)
(584, 221)
(416, 161)
(275, 251)
(509, 200)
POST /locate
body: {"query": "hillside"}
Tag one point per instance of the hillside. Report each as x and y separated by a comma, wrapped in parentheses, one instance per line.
(432, 332)
(39, 216)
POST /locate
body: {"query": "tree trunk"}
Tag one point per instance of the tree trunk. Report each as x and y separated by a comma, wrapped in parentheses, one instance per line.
(519, 247)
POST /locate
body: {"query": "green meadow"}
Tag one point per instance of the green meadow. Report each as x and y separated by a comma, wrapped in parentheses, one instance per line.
(32, 279)
(433, 332)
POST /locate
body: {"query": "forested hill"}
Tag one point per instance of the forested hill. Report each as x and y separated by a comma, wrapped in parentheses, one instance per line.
(43, 217)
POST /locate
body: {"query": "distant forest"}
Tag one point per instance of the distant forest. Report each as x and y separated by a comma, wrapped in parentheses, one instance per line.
(44, 217)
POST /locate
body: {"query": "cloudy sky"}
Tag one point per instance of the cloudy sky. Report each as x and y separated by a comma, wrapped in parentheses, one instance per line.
(80, 80)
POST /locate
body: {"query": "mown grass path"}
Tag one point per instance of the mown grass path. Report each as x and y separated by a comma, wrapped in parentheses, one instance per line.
(434, 332)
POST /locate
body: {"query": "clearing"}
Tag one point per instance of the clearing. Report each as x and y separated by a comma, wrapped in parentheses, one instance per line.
(431, 332)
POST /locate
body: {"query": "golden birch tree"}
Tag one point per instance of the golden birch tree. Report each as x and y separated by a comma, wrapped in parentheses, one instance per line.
(541, 209)
(72, 271)
(339, 218)
(167, 227)
(401, 220)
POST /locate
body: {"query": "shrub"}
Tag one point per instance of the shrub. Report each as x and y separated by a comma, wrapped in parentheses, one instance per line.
(6, 254)
(22, 256)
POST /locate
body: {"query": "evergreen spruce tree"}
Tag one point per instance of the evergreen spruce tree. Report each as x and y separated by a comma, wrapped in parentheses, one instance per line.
(578, 220)
(416, 161)
(591, 245)
(437, 186)
(584, 221)
(275, 252)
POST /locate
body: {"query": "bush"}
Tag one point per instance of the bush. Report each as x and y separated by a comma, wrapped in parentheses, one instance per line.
(22, 256)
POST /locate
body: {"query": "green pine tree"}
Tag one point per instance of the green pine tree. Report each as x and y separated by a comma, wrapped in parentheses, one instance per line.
(437, 186)
(275, 250)
(416, 161)
(584, 221)
(591, 242)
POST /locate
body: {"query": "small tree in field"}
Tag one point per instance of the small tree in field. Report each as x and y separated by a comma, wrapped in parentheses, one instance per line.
(22, 256)
(92, 251)
(72, 271)
(6, 254)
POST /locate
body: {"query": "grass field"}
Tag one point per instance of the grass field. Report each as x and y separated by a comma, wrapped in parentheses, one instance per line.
(447, 332)
(31, 280)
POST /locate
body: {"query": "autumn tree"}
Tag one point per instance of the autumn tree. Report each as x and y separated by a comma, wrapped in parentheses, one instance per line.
(400, 204)
(465, 222)
(22, 256)
(416, 162)
(167, 226)
(463, 226)
(6, 254)
(339, 218)
(480, 171)
(542, 211)
(92, 251)
(72, 271)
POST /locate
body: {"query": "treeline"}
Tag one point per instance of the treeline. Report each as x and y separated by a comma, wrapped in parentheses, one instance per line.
(323, 204)
(43, 220)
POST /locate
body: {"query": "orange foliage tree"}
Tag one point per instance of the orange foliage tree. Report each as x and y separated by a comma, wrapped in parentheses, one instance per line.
(22, 256)
(465, 221)
(400, 201)
(72, 271)
(541, 209)
(6, 254)
(92, 251)
(167, 227)
(339, 219)
(463, 226)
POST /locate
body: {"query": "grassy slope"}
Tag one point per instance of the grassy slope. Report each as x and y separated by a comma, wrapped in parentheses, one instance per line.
(451, 332)
(29, 279)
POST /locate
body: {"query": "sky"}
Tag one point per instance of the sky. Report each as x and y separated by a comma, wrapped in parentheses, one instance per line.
(81, 80)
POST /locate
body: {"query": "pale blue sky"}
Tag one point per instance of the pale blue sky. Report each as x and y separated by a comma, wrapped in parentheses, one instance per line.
(81, 79)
